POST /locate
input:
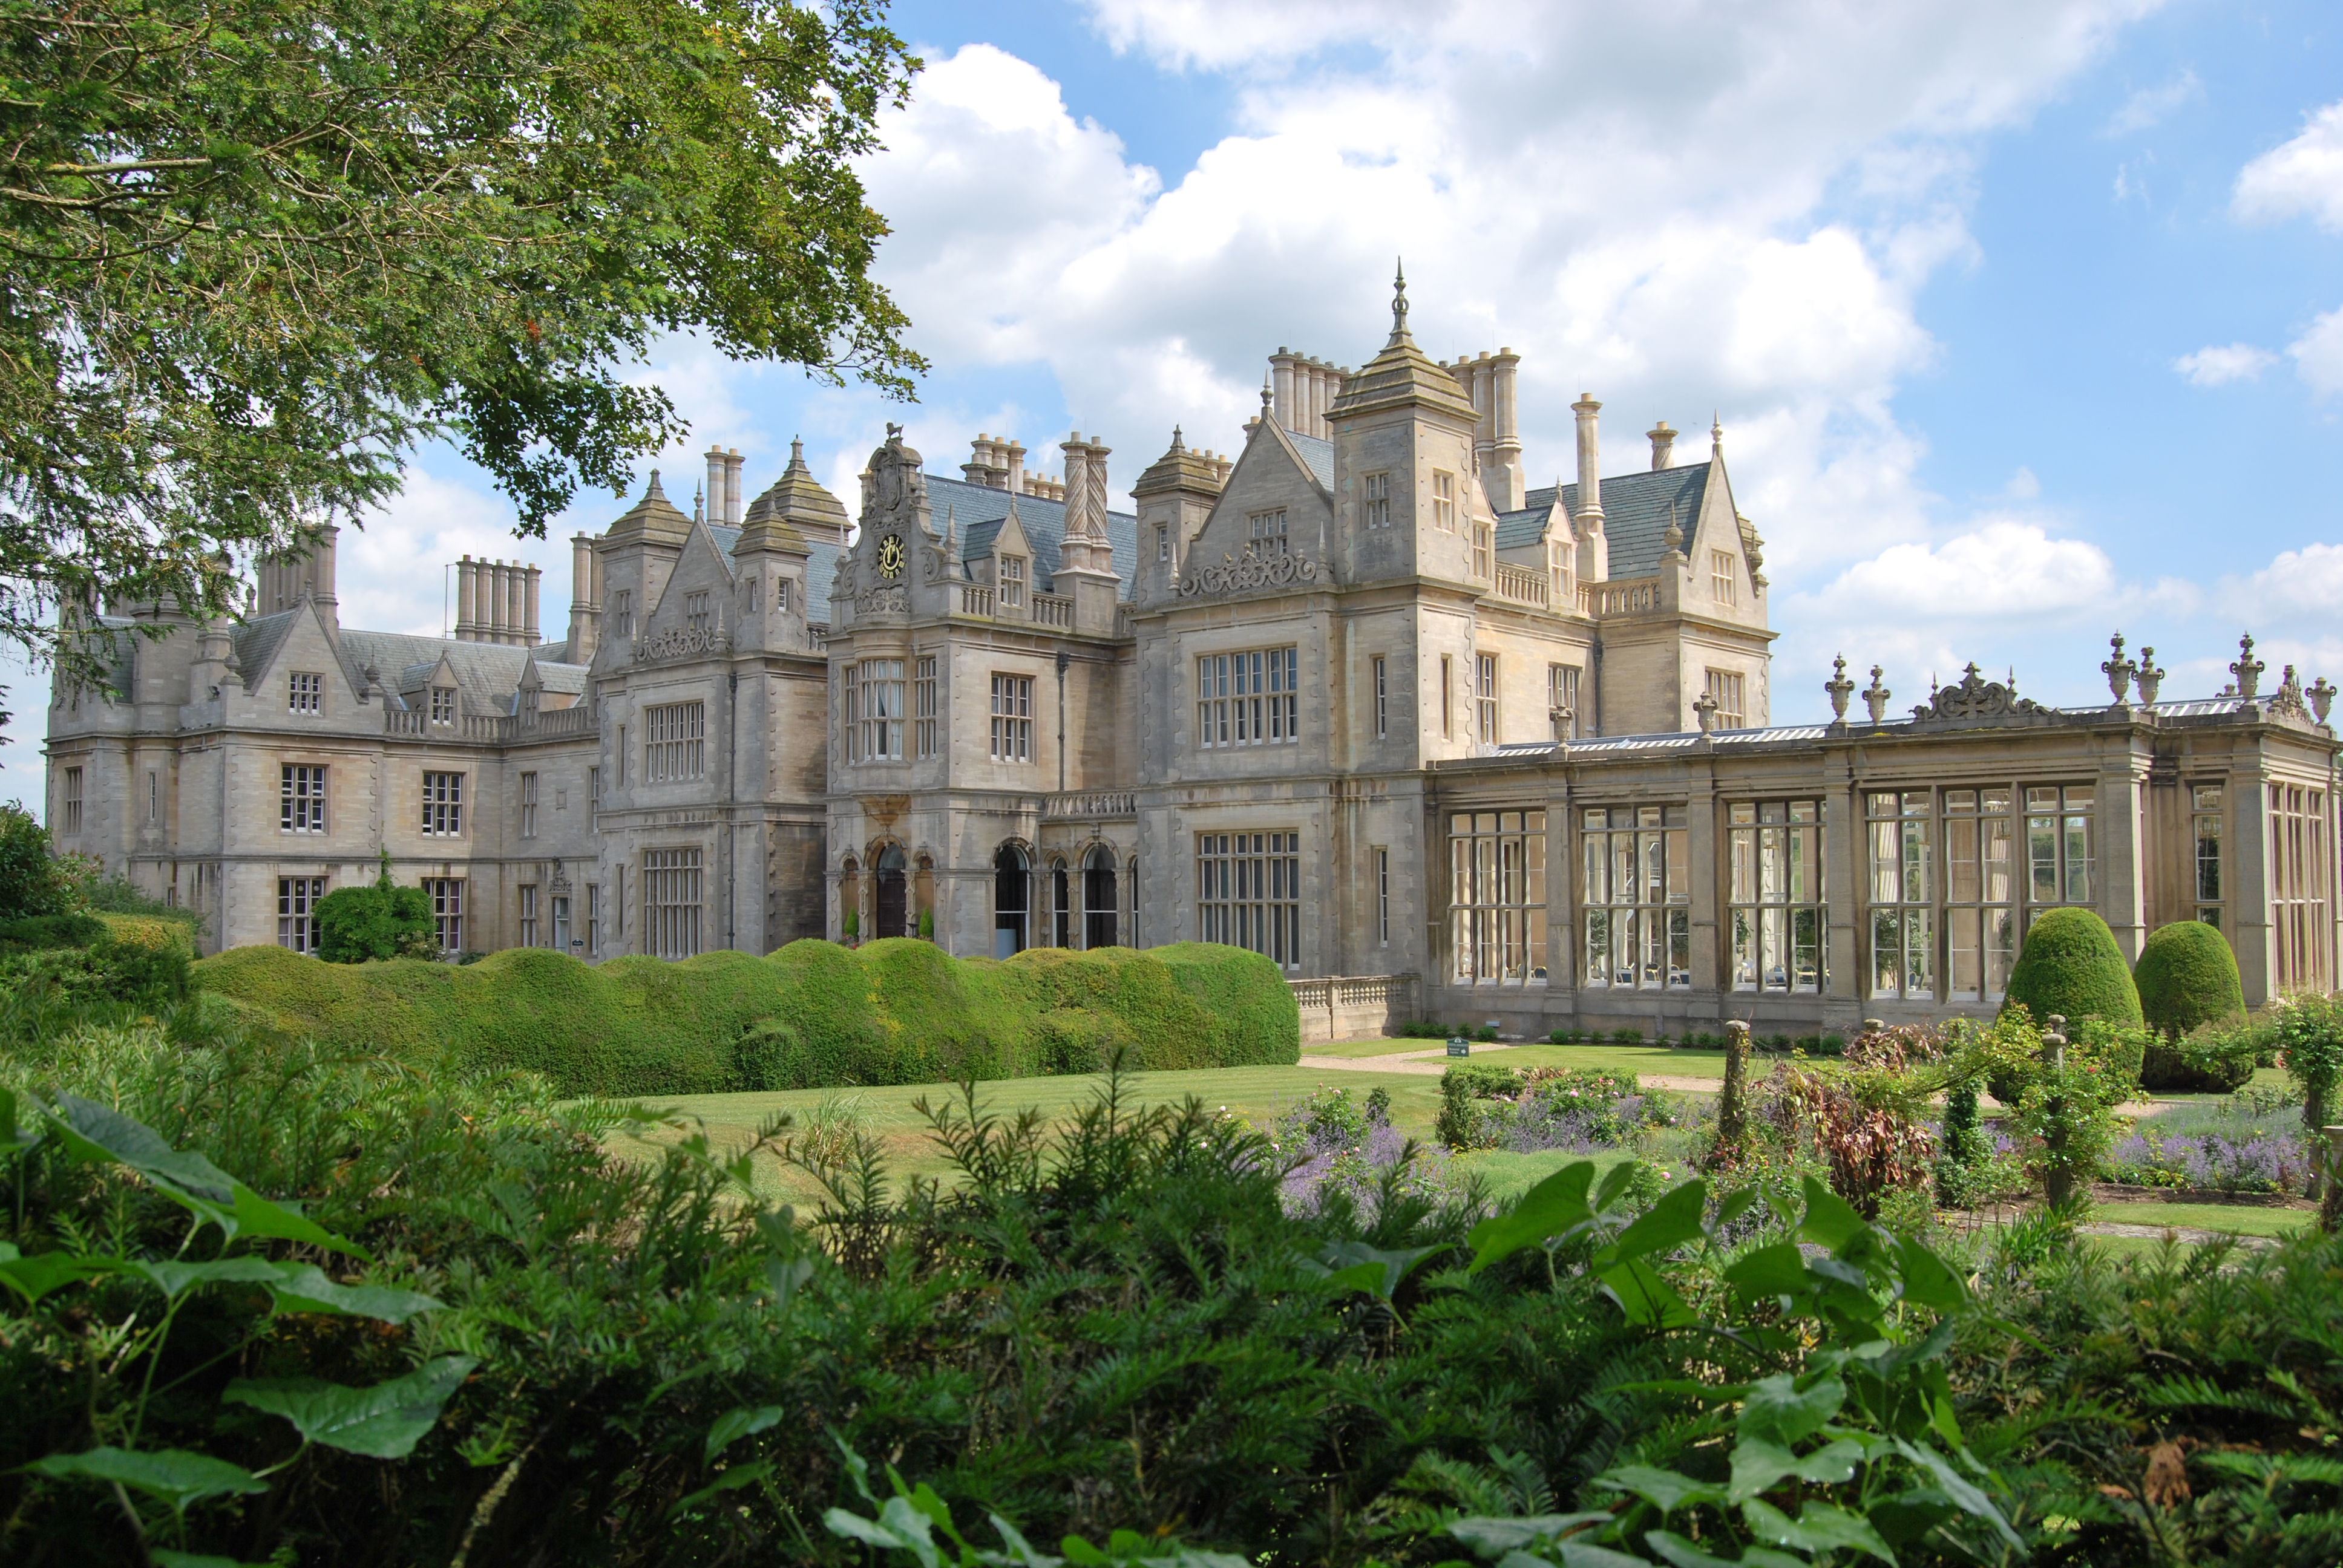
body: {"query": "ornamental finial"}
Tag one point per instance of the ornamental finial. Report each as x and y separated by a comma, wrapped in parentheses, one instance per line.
(1839, 686)
(2248, 669)
(1399, 302)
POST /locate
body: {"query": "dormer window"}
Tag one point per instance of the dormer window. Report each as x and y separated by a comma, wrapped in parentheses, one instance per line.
(1481, 549)
(695, 611)
(528, 696)
(1269, 533)
(1012, 581)
(306, 693)
(1722, 577)
(443, 705)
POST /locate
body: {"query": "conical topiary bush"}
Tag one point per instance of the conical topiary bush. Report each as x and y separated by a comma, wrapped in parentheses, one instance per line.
(2187, 977)
(2071, 966)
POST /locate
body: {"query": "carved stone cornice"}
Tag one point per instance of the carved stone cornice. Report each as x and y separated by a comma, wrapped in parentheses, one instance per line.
(682, 642)
(1235, 576)
(1976, 701)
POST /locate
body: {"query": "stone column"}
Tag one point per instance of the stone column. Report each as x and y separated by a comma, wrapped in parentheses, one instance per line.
(2248, 871)
(1843, 891)
(1704, 838)
(2125, 851)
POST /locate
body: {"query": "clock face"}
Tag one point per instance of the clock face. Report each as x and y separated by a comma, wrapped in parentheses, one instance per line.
(891, 555)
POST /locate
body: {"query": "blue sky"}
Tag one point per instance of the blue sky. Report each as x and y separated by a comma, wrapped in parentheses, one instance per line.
(2023, 321)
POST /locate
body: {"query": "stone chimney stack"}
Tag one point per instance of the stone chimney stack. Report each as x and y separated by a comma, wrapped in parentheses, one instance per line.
(1283, 392)
(717, 467)
(1664, 445)
(1077, 482)
(1594, 546)
(733, 464)
(585, 599)
(1484, 389)
(1016, 450)
(1085, 559)
(1510, 491)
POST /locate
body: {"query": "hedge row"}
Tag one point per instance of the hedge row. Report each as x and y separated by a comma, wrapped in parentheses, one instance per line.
(812, 1014)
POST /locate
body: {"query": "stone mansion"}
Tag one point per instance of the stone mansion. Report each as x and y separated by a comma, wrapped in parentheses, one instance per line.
(1437, 742)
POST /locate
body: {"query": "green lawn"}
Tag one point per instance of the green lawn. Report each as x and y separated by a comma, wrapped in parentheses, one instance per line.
(1256, 1093)
(2245, 1219)
(1609, 1058)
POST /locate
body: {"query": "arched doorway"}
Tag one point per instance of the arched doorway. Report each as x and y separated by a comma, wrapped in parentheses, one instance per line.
(1062, 906)
(849, 901)
(1098, 898)
(891, 897)
(1013, 894)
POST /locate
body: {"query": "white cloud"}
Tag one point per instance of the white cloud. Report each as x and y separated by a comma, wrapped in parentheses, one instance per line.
(2024, 486)
(2148, 106)
(2317, 354)
(2297, 586)
(2000, 570)
(1723, 207)
(2217, 364)
(2302, 177)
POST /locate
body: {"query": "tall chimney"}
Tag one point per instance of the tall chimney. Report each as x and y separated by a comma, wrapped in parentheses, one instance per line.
(321, 570)
(1484, 428)
(1594, 546)
(529, 637)
(464, 598)
(733, 506)
(1664, 445)
(1077, 482)
(1505, 424)
(585, 608)
(716, 467)
(1282, 390)
(1016, 450)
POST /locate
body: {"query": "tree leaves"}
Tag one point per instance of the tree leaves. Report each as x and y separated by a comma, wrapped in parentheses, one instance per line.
(385, 1421)
(175, 1476)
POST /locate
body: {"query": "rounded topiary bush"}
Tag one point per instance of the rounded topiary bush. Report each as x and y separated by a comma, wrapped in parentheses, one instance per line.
(2070, 966)
(2187, 976)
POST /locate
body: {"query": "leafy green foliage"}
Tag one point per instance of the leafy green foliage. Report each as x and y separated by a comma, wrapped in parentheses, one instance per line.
(31, 883)
(2188, 977)
(262, 253)
(2070, 966)
(382, 920)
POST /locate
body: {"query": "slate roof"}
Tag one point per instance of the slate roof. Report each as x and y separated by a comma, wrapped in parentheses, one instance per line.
(1634, 514)
(1319, 453)
(821, 560)
(977, 511)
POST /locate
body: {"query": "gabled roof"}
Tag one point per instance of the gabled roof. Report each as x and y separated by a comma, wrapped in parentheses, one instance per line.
(1635, 511)
(821, 560)
(1528, 526)
(257, 641)
(1319, 453)
(977, 511)
(486, 672)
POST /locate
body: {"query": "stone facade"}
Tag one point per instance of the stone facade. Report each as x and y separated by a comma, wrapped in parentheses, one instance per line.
(1358, 697)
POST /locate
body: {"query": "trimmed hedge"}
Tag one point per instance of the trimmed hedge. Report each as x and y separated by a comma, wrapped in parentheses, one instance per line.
(2188, 977)
(814, 1014)
(2071, 966)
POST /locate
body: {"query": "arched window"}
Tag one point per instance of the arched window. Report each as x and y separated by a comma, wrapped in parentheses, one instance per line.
(890, 903)
(1062, 906)
(1012, 893)
(1098, 898)
(850, 898)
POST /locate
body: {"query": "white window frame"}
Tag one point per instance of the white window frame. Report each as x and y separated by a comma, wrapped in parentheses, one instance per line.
(443, 805)
(1250, 698)
(1013, 718)
(1374, 490)
(528, 812)
(674, 742)
(297, 917)
(301, 798)
(305, 691)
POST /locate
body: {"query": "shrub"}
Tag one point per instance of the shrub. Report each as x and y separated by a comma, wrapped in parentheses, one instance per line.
(2310, 1033)
(812, 1014)
(381, 921)
(74, 931)
(1421, 1029)
(2188, 977)
(2214, 1058)
(31, 880)
(2070, 966)
(1461, 1124)
(1626, 1037)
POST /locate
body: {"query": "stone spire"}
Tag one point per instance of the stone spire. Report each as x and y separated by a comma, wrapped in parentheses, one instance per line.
(794, 512)
(1403, 374)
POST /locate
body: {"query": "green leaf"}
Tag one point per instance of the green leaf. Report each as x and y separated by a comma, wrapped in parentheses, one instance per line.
(95, 1134)
(785, 1275)
(1554, 1205)
(1778, 1412)
(1928, 1281)
(1579, 1554)
(1769, 1272)
(258, 1216)
(1966, 1494)
(34, 1277)
(1668, 1225)
(1615, 1182)
(1830, 1221)
(167, 1559)
(1649, 1301)
(173, 1278)
(1732, 1206)
(1020, 1550)
(304, 1287)
(175, 1475)
(1664, 1489)
(1347, 1264)
(742, 1475)
(385, 1421)
(1759, 1465)
(14, 1137)
(1675, 1549)
(738, 1423)
(1495, 1537)
(1819, 1527)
